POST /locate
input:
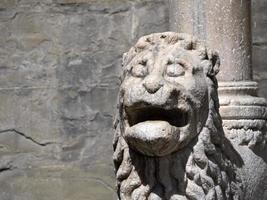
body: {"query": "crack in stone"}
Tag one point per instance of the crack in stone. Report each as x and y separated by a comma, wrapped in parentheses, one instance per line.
(260, 43)
(4, 169)
(27, 137)
(103, 183)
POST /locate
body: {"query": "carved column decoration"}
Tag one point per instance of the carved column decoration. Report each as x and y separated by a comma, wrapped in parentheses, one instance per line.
(225, 26)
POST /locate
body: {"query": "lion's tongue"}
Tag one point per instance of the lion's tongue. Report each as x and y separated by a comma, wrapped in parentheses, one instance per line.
(151, 130)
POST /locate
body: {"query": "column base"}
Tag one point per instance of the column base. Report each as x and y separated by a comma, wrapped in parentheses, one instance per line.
(243, 113)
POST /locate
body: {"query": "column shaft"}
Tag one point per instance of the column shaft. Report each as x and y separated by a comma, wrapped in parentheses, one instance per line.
(224, 25)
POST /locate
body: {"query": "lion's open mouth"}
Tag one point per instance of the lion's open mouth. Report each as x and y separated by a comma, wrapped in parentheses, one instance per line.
(174, 117)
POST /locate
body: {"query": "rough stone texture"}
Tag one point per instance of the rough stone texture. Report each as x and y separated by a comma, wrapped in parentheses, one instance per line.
(224, 22)
(259, 22)
(259, 33)
(59, 64)
(169, 141)
(59, 72)
(238, 96)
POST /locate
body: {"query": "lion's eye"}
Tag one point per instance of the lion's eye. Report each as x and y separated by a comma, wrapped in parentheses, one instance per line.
(139, 71)
(174, 70)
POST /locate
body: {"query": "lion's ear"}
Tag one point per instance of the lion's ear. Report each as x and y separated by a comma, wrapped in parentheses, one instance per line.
(214, 66)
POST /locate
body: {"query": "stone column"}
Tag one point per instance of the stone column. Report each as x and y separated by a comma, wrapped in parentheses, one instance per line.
(225, 26)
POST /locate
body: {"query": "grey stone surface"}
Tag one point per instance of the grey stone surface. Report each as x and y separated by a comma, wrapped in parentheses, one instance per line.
(59, 67)
(259, 33)
(225, 27)
(59, 73)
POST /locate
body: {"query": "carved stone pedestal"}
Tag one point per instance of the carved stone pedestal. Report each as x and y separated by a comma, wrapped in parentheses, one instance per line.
(243, 113)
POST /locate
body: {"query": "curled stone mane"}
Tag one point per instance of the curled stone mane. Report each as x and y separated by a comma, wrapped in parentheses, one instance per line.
(204, 169)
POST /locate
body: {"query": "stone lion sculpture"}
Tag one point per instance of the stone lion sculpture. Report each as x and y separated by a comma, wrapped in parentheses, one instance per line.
(169, 142)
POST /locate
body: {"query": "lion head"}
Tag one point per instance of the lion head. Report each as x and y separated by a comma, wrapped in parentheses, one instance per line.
(169, 141)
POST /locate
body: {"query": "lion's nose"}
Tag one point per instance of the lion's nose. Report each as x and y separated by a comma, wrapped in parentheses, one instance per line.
(152, 83)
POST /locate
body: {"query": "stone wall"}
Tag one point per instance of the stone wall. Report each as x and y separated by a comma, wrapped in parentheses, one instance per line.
(59, 76)
(259, 31)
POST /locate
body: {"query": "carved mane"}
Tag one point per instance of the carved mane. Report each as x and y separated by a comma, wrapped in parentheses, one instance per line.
(202, 170)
